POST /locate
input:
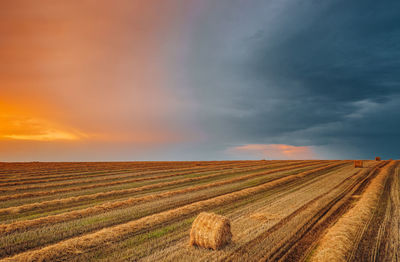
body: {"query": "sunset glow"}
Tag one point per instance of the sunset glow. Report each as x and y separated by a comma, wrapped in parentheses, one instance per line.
(32, 129)
(275, 151)
(17, 123)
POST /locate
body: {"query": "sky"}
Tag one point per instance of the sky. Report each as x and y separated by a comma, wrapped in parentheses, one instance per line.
(199, 80)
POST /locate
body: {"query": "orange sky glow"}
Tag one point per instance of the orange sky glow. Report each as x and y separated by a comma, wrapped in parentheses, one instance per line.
(85, 71)
(275, 151)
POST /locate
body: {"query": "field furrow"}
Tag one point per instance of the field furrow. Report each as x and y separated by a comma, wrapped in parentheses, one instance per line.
(110, 177)
(67, 177)
(380, 240)
(70, 189)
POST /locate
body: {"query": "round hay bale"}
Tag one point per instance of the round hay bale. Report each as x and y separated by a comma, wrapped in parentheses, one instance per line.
(358, 163)
(210, 231)
(265, 216)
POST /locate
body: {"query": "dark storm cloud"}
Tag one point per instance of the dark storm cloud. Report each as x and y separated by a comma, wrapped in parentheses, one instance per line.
(345, 53)
(302, 73)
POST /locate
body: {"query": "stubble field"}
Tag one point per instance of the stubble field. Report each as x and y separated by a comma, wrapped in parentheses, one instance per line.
(315, 210)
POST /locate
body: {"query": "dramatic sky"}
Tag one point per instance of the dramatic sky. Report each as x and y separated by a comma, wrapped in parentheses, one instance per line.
(199, 80)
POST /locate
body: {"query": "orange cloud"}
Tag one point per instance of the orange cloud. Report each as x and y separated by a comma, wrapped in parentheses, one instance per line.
(274, 151)
(24, 123)
(17, 127)
(34, 122)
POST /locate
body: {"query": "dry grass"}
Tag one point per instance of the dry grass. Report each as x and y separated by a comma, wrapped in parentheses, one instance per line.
(339, 240)
(25, 179)
(117, 175)
(264, 216)
(210, 231)
(79, 188)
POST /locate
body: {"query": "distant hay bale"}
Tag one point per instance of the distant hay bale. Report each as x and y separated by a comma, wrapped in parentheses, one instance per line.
(358, 163)
(265, 216)
(210, 231)
(377, 158)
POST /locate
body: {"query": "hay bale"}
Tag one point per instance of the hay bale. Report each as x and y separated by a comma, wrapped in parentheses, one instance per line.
(358, 163)
(377, 158)
(265, 216)
(210, 231)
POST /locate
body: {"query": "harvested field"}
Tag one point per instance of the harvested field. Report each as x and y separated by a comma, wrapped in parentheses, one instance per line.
(143, 211)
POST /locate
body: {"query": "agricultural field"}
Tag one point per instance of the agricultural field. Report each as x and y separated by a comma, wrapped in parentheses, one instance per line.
(314, 210)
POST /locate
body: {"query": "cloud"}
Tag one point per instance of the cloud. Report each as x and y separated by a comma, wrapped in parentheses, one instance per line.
(273, 151)
(323, 74)
(16, 127)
